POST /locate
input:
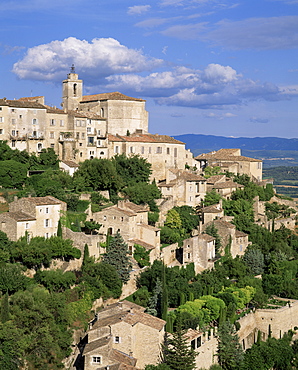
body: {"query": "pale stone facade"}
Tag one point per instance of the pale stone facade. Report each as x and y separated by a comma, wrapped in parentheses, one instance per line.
(37, 216)
(237, 240)
(124, 327)
(199, 250)
(93, 126)
(184, 187)
(231, 160)
(131, 221)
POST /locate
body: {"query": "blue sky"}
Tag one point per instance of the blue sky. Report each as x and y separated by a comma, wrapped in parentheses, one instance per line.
(218, 67)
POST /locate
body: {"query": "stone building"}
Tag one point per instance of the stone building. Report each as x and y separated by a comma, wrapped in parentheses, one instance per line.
(37, 216)
(199, 250)
(231, 160)
(126, 328)
(184, 187)
(92, 126)
(237, 240)
(131, 221)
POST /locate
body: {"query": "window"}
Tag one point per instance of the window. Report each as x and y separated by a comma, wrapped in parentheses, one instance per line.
(78, 135)
(168, 150)
(142, 150)
(20, 116)
(96, 360)
(61, 122)
(159, 149)
(78, 123)
(104, 218)
(116, 149)
(13, 132)
(13, 121)
(39, 147)
(102, 112)
(52, 135)
(89, 130)
(80, 144)
(52, 122)
(13, 110)
(81, 154)
(13, 144)
(52, 145)
(175, 152)
(98, 132)
(1, 131)
(27, 225)
(47, 210)
(34, 121)
(47, 222)
(117, 339)
(131, 149)
(83, 135)
(149, 150)
(46, 235)
(1, 119)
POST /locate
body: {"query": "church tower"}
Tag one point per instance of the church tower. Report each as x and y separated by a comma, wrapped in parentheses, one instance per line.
(72, 91)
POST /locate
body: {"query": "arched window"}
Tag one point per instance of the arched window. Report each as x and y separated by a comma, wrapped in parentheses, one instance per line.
(102, 112)
(75, 89)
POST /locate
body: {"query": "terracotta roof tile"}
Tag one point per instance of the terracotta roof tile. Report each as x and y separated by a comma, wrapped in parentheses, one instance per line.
(19, 216)
(70, 164)
(109, 96)
(142, 244)
(40, 201)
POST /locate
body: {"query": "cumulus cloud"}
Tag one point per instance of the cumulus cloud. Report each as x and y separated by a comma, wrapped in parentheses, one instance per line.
(257, 33)
(98, 59)
(138, 9)
(219, 116)
(215, 73)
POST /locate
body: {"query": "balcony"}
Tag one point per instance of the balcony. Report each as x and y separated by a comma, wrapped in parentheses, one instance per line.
(66, 136)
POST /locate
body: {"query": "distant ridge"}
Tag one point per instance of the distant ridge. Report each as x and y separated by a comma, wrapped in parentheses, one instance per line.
(201, 143)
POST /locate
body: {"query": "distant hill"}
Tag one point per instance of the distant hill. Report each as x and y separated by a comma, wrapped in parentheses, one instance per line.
(211, 142)
(274, 151)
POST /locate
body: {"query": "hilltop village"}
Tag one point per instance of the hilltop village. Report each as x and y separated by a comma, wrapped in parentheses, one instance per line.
(124, 239)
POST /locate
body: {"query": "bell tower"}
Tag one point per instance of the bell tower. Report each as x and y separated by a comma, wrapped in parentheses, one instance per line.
(72, 91)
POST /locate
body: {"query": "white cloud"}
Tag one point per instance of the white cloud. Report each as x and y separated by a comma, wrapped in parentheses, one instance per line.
(217, 74)
(258, 120)
(100, 58)
(138, 9)
(219, 116)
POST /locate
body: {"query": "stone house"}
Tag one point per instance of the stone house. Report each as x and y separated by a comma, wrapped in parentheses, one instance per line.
(131, 221)
(162, 151)
(237, 240)
(211, 213)
(184, 187)
(225, 189)
(124, 327)
(199, 250)
(231, 160)
(93, 126)
(36, 216)
(68, 166)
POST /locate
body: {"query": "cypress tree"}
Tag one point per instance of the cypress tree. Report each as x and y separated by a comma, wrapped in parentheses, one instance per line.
(59, 229)
(5, 308)
(117, 256)
(177, 354)
(165, 298)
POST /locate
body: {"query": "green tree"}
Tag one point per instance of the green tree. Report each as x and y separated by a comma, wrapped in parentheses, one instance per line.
(143, 193)
(177, 354)
(132, 169)
(12, 174)
(173, 219)
(55, 280)
(211, 197)
(230, 354)
(91, 226)
(254, 260)
(117, 256)
(212, 231)
(141, 255)
(5, 308)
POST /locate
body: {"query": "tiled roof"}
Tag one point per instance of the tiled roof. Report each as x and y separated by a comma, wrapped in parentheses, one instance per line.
(187, 175)
(192, 334)
(206, 237)
(150, 227)
(224, 224)
(145, 138)
(240, 234)
(134, 207)
(55, 110)
(216, 178)
(226, 185)
(142, 244)
(109, 96)
(226, 155)
(21, 104)
(84, 114)
(214, 208)
(20, 216)
(123, 358)
(96, 344)
(40, 201)
(70, 164)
